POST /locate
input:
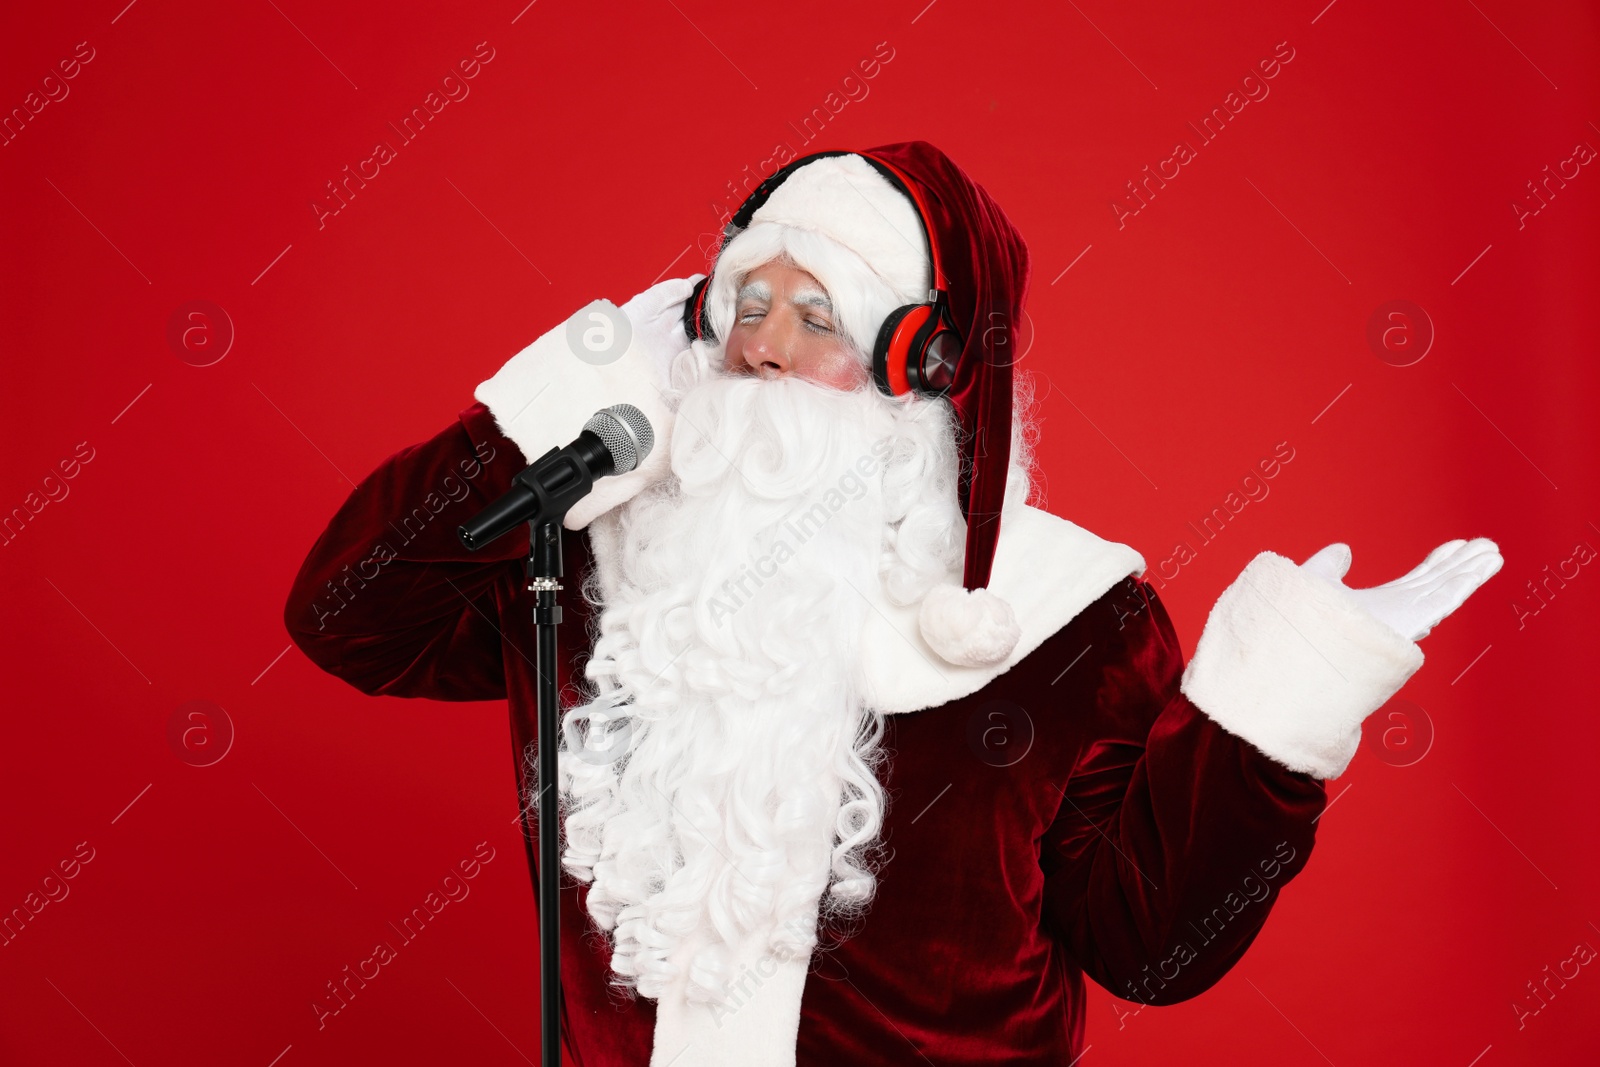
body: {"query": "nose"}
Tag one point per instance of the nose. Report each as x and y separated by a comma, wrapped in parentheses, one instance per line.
(766, 351)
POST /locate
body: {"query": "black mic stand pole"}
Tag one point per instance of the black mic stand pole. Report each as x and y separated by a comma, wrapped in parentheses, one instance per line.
(544, 581)
(612, 442)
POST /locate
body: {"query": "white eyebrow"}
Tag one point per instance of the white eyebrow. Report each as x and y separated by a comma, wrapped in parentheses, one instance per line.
(812, 298)
(757, 290)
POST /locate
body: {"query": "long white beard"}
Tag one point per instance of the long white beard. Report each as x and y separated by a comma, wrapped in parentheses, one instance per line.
(720, 786)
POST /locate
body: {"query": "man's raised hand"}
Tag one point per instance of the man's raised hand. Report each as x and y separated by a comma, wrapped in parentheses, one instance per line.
(656, 316)
(1416, 602)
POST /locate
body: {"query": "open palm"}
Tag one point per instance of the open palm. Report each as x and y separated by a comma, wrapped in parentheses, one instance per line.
(1416, 602)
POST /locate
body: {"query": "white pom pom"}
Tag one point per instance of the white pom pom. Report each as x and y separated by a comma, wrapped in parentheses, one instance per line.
(969, 628)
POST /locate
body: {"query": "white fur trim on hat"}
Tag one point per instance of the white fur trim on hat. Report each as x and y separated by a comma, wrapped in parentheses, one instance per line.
(968, 627)
(844, 198)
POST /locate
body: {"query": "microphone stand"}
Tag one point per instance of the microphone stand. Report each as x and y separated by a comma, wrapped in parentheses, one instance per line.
(544, 581)
(612, 442)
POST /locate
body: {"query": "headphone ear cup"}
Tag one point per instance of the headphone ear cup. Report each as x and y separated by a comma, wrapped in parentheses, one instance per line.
(933, 353)
(882, 358)
(696, 322)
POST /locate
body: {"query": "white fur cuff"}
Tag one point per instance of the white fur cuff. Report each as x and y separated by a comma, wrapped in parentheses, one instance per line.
(1289, 662)
(544, 394)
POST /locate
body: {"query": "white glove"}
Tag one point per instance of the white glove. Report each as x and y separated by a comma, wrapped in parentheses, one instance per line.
(656, 316)
(1292, 659)
(602, 355)
(1412, 605)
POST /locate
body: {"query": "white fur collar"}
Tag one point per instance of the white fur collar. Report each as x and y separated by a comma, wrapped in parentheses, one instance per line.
(1047, 568)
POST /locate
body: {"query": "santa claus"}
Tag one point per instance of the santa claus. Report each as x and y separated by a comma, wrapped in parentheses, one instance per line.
(864, 758)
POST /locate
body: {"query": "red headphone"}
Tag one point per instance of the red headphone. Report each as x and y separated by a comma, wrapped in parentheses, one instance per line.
(917, 346)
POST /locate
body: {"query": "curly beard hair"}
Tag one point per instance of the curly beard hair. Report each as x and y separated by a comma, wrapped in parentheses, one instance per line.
(719, 787)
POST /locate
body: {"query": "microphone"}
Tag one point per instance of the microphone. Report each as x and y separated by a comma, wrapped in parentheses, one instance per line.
(614, 441)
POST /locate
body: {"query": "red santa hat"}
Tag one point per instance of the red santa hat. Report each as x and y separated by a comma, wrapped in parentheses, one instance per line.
(841, 219)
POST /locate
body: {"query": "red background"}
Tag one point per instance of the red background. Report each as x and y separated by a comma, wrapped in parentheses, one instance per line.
(1176, 352)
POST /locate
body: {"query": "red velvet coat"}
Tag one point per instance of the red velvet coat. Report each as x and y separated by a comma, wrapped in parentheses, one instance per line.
(1076, 816)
